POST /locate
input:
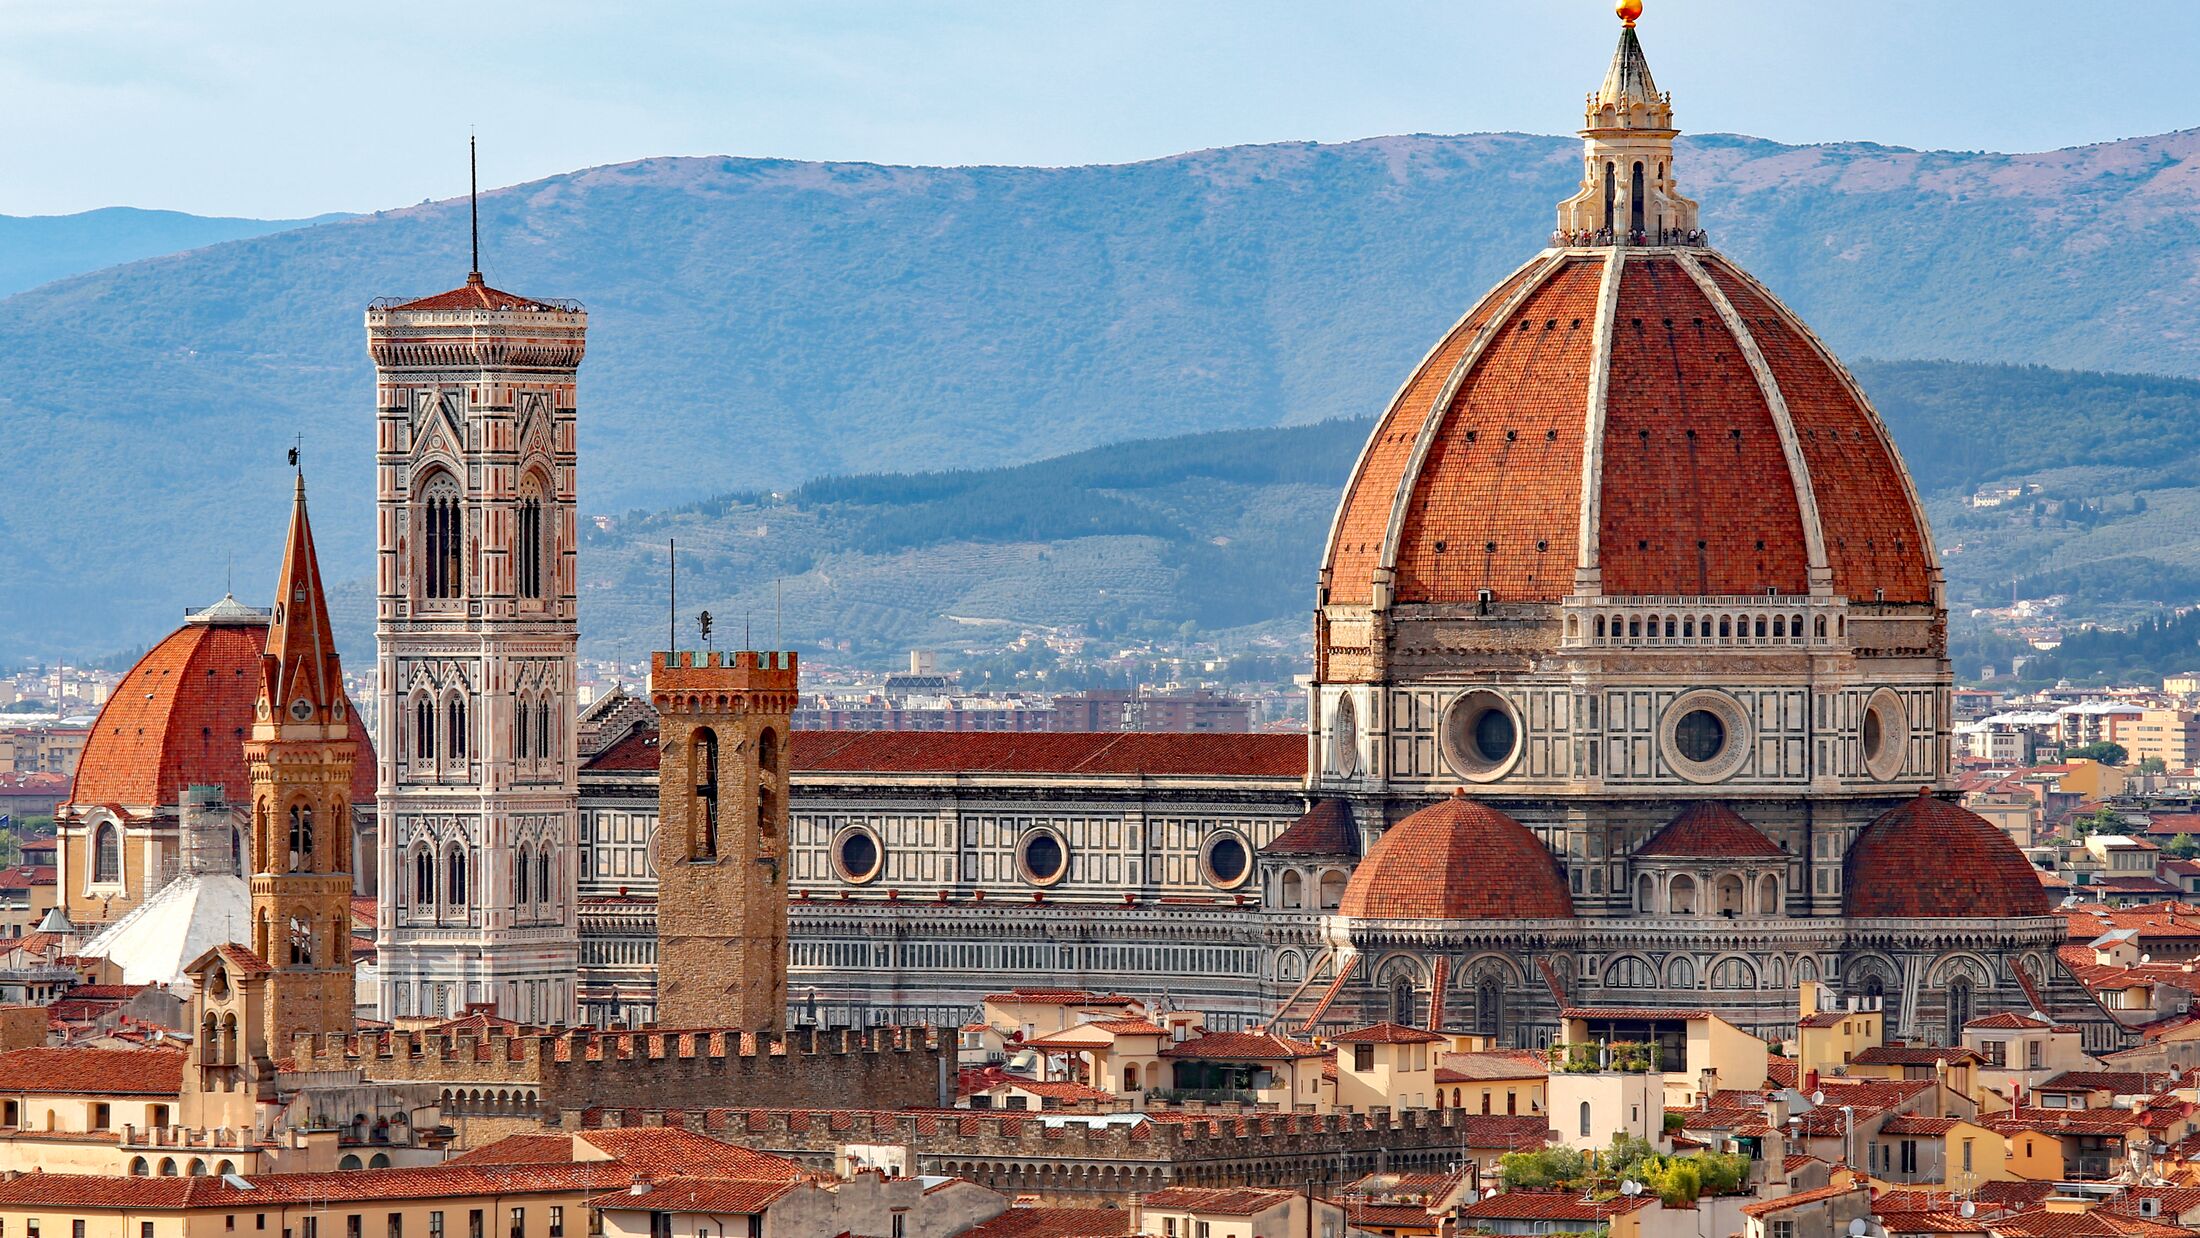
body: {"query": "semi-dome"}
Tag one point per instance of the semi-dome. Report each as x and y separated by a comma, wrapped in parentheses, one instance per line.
(180, 717)
(1707, 829)
(1931, 858)
(1457, 860)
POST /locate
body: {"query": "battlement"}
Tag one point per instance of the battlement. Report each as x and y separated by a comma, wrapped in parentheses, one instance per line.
(763, 681)
(582, 1067)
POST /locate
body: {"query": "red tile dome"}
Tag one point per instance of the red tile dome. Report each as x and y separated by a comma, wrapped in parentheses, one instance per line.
(181, 716)
(1933, 858)
(1457, 860)
(1651, 412)
(1708, 829)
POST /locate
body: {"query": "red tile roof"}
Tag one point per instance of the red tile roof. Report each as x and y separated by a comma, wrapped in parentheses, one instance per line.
(1552, 1206)
(1068, 752)
(1326, 829)
(1387, 1034)
(1696, 494)
(2008, 1021)
(660, 1150)
(180, 717)
(1915, 1055)
(1243, 1046)
(1766, 1207)
(104, 1072)
(1041, 1222)
(1930, 858)
(1458, 860)
(1710, 829)
(474, 294)
(1237, 1201)
(690, 1194)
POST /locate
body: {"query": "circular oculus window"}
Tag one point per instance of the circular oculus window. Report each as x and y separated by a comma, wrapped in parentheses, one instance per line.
(1883, 734)
(1344, 737)
(1043, 857)
(1226, 861)
(857, 855)
(1705, 735)
(1482, 735)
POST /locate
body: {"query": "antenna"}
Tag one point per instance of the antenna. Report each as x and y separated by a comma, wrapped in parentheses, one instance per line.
(777, 589)
(672, 605)
(473, 204)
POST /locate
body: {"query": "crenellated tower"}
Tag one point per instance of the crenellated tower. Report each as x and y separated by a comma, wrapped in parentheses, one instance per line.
(721, 841)
(300, 757)
(475, 631)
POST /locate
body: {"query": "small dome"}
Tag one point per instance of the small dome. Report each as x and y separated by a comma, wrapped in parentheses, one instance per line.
(180, 718)
(1457, 860)
(1933, 858)
(1709, 830)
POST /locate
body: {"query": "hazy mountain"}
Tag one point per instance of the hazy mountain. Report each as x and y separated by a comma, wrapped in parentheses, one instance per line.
(758, 323)
(38, 249)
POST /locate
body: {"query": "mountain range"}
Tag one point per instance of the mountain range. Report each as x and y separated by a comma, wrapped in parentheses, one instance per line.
(756, 324)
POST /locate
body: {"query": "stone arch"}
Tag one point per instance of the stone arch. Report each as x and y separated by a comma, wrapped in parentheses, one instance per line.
(1729, 895)
(1646, 893)
(1290, 966)
(1768, 895)
(1732, 971)
(1680, 972)
(1870, 976)
(1680, 895)
(1291, 890)
(1630, 971)
(1331, 889)
(1948, 967)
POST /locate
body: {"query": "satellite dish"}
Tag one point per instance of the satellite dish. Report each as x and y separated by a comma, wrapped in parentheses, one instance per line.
(2146, 958)
(1859, 1227)
(1968, 1209)
(1817, 1098)
(1490, 1194)
(1630, 1188)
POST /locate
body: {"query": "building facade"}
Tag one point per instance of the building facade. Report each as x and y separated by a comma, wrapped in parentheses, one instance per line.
(474, 626)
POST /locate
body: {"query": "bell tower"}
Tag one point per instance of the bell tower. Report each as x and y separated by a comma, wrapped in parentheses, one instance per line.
(721, 842)
(300, 758)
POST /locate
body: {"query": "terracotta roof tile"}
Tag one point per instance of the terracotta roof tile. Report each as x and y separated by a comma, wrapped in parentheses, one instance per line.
(1325, 829)
(1458, 860)
(1707, 828)
(1929, 858)
(107, 1072)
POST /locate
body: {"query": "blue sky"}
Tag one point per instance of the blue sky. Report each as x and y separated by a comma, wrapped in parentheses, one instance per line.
(242, 107)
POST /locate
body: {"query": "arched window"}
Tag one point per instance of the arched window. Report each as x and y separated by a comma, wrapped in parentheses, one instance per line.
(1760, 627)
(301, 838)
(423, 728)
(1688, 627)
(542, 878)
(523, 716)
(441, 565)
(301, 942)
(1600, 627)
(767, 811)
(1776, 975)
(767, 750)
(455, 720)
(236, 852)
(107, 853)
(530, 539)
(229, 1040)
(1332, 890)
(1959, 1009)
(1489, 1007)
(1630, 972)
(1725, 630)
(704, 842)
(1646, 893)
(1780, 625)
(1611, 195)
(520, 876)
(1680, 895)
(1130, 1077)
(1729, 890)
(1680, 974)
(1821, 627)
(1768, 895)
(1635, 220)
(546, 734)
(1293, 894)
(423, 879)
(454, 876)
(1585, 1119)
(138, 1167)
(1733, 974)
(1401, 1001)
(1670, 630)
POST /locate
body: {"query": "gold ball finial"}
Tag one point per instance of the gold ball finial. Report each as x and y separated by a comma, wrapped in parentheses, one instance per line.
(1628, 11)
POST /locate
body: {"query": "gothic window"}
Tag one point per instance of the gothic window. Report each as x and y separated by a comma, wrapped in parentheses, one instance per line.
(1629, 973)
(704, 829)
(767, 811)
(543, 732)
(542, 878)
(1959, 1009)
(1401, 1001)
(767, 750)
(236, 852)
(107, 854)
(530, 540)
(519, 877)
(1489, 1007)
(522, 714)
(455, 714)
(301, 942)
(1733, 974)
(442, 563)
(454, 878)
(423, 879)
(1635, 220)
(423, 728)
(301, 837)
(1680, 974)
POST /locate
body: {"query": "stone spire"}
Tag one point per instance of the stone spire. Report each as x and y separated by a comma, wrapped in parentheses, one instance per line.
(300, 666)
(1627, 192)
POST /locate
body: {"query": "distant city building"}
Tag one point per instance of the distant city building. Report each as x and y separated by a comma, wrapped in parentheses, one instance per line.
(1180, 710)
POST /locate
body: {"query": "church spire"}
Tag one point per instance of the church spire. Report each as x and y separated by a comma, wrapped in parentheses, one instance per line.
(1627, 193)
(301, 681)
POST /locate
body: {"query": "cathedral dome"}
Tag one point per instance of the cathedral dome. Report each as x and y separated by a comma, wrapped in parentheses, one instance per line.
(1628, 421)
(1457, 860)
(1933, 858)
(181, 716)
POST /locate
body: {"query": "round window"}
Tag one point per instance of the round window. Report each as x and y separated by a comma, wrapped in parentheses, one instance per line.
(857, 855)
(300, 709)
(1227, 861)
(1705, 736)
(1044, 858)
(1482, 735)
(1883, 735)
(1344, 738)
(1699, 735)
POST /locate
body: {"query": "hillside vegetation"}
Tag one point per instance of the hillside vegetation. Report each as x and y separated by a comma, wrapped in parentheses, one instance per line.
(759, 323)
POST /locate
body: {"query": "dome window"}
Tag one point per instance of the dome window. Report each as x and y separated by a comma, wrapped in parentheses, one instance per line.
(1043, 857)
(1344, 738)
(1881, 735)
(1482, 736)
(1227, 861)
(857, 855)
(1705, 736)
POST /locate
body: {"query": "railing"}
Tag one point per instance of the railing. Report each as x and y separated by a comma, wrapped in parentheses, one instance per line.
(1624, 1057)
(1204, 1096)
(1561, 238)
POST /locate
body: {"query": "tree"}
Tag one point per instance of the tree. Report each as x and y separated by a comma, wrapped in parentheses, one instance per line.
(2183, 847)
(2100, 821)
(2153, 765)
(2104, 752)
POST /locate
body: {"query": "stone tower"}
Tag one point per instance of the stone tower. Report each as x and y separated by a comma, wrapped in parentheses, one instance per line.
(477, 805)
(721, 842)
(300, 758)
